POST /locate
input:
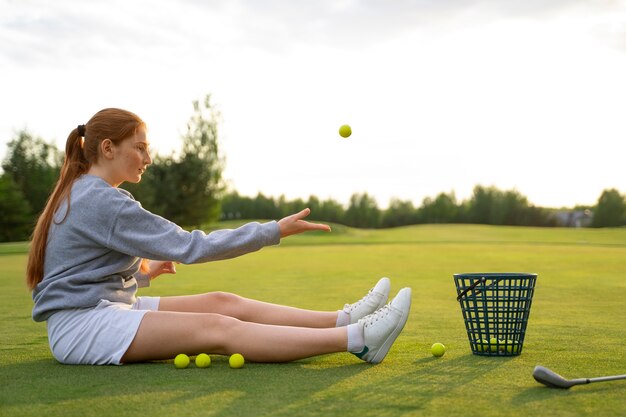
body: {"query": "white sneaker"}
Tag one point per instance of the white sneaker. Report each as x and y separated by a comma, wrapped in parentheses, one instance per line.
(373, 300)
(381, 328)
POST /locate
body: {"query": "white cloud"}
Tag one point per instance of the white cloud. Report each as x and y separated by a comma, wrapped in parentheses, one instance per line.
(441, 95)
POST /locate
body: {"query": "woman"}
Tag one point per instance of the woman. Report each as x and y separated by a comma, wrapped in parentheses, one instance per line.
(89, 255)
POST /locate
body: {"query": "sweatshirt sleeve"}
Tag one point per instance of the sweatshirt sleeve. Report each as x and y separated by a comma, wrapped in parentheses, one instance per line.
(137, 232)
(143, 280)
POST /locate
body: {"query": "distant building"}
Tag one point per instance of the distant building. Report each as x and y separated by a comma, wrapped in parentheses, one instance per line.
(574, 218)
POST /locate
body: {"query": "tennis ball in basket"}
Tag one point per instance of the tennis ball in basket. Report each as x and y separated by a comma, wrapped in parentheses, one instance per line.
(438, 349)
(181, 361)
(236, 361)
(493, 344)
(203, 360)
(502, 343)
(345, 131)
(497, 345)
(511, 347)
(482, 345)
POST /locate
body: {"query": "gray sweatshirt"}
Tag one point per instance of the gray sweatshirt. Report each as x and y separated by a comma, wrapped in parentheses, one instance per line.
(96, 252)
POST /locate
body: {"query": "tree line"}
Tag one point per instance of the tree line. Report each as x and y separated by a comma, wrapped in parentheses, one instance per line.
(487, 205)
(187, 188)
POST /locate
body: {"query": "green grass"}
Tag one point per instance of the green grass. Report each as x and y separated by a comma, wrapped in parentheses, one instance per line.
(576, 328)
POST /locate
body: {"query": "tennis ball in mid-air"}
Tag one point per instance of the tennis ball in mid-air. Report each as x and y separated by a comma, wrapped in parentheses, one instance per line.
(236, 360)
(438, 349)
(345, 131)
(181, 361)
(203, 360)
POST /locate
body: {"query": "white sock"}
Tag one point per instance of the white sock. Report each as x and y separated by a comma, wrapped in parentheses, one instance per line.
(343, 319)
(356, 338)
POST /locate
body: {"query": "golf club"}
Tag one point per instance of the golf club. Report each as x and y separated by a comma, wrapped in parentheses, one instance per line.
(554, 380)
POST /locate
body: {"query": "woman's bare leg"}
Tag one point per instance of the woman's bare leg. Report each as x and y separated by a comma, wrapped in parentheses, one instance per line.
(249, 310)
(163, 335)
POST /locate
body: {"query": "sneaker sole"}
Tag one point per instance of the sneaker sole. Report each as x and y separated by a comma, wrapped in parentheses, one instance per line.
(384, 349)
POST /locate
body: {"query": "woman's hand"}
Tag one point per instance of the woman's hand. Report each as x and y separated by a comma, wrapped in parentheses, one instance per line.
(292, 225)
(156, 268)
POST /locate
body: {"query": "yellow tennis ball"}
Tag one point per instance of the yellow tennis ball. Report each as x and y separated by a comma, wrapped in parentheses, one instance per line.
(438, 349)
(502, 343)
(482, 345)
(345, 131)
(203, 360)
(511, 347)
(236, 361)
(493, 344)
(181, 361)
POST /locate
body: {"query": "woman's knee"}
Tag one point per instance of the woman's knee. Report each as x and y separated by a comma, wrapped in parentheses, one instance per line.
(222, 301)
(217, 330)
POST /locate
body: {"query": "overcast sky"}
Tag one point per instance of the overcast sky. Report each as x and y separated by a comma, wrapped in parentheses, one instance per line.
(441, 95)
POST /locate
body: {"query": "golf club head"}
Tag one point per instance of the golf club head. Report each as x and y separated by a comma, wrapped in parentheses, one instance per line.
(553, 380)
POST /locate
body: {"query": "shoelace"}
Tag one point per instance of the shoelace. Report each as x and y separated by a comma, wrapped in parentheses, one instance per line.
(347, 308)
(378, 314)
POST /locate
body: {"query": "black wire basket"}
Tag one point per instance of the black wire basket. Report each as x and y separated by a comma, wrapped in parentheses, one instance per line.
(495, 307)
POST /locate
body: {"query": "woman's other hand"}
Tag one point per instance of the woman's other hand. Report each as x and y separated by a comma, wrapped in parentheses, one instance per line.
(156, 268)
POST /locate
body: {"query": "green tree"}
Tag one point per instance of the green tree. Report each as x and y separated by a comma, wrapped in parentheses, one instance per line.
(187, 189)
(488, 205)
(16, 219)
(265, 207)
(362, 211)
(539, 216)
(610, 210)
(202, 165)
(284, 208)
(480, 206)
(331, 211)
(399, 213)
(443, 209)
(235, 206)
(34, 166)
(510, 208)
(315, 205)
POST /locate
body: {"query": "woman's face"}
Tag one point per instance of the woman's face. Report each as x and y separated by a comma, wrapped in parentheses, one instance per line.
(132, 157)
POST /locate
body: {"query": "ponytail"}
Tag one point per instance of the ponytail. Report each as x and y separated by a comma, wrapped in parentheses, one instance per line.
(74, 166)
(81, 151)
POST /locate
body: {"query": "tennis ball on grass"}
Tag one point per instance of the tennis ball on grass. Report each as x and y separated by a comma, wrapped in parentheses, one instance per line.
(236, 361)
(203, 360)
(181, 361)
(438, 349)
(345, 131)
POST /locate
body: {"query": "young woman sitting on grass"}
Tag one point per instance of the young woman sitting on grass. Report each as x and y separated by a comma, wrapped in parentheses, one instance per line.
(94, 246)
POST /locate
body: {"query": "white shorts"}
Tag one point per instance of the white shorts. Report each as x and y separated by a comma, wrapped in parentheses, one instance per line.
(99, 335)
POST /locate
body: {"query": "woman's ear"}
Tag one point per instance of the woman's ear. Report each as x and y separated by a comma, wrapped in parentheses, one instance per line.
(106, 146)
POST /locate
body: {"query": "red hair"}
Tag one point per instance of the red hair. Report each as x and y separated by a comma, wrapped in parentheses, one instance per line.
(80, 153)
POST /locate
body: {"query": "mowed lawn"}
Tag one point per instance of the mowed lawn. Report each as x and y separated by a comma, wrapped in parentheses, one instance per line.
(577, 327)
